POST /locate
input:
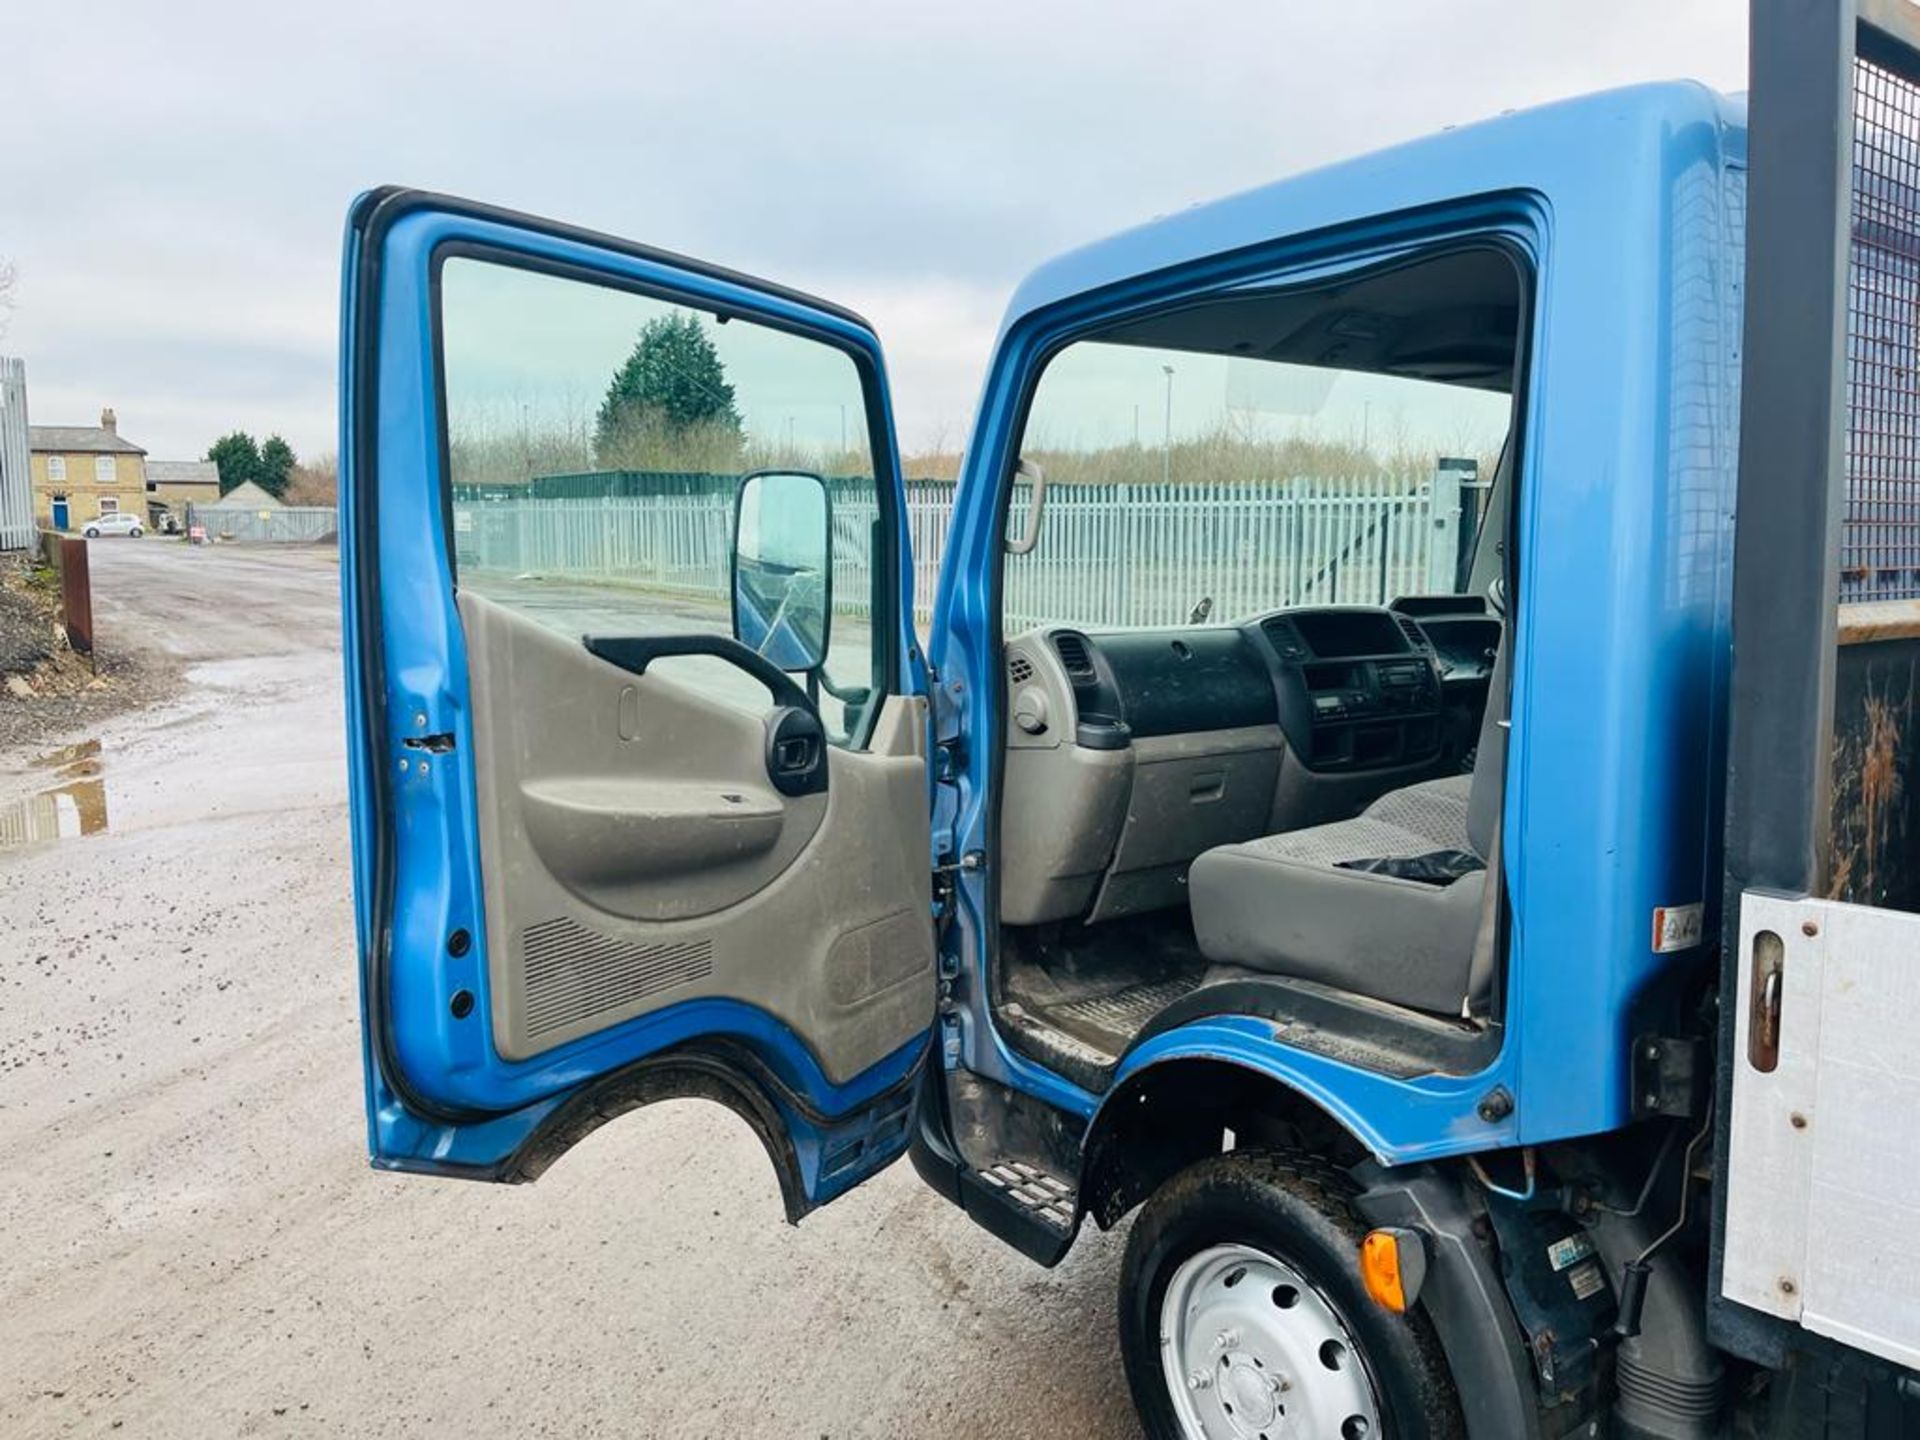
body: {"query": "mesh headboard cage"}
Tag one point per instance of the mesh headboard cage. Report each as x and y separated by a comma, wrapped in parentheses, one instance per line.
(1880, 540)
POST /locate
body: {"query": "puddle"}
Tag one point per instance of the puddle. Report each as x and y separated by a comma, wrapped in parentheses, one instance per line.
(79, 753)
(63, 812)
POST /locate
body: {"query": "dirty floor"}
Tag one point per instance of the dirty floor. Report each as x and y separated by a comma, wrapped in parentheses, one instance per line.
(194, 1243)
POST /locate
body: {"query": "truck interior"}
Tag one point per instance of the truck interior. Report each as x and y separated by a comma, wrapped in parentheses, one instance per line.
(1300, 786)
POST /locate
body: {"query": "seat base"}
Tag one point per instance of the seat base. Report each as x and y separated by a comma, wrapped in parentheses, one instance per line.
(1284, 904)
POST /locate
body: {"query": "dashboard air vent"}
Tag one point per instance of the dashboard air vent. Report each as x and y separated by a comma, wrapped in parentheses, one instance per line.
(1416, 637)
(1019, 668)
(1074, 655)
(1285, 639)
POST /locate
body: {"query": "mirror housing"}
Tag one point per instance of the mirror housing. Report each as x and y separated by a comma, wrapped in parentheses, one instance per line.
(782, 567)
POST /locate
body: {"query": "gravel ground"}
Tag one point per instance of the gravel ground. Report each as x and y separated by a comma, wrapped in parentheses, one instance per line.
(195, 1244)
(72, 692)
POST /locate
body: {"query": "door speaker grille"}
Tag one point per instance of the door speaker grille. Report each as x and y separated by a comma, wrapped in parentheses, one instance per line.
(574, 973)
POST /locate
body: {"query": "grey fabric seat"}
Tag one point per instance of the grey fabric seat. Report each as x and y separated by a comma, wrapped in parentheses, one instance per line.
(1283, 904)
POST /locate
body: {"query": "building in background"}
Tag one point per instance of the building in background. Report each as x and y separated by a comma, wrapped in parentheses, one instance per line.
(173, 485)
(244, 496)
(84, 471)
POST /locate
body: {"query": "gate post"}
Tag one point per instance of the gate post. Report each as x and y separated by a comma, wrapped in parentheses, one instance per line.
(76, 592)
(1444, 534)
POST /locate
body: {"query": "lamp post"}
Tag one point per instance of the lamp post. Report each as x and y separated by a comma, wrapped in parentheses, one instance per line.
(1166, 449)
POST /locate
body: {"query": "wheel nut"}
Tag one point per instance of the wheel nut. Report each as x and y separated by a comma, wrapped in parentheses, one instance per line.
(1199, 1380)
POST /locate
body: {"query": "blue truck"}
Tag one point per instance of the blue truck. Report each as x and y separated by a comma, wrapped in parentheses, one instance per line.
(1482, 951)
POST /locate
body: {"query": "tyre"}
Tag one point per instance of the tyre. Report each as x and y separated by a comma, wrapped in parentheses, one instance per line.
(135, 533)
(1242, 1315)
(91, 532)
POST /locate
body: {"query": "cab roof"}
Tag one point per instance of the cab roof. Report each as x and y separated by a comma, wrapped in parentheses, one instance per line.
(1536, 149)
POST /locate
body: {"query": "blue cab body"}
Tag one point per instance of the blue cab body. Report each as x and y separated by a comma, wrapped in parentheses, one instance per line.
(1626, 207)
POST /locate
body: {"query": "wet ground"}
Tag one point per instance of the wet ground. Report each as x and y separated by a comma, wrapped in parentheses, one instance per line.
(194, 1245)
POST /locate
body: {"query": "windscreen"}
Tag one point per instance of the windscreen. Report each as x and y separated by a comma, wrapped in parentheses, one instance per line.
(1276, 449)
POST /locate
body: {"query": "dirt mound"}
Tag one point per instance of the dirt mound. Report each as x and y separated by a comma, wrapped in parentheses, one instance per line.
(28, 619)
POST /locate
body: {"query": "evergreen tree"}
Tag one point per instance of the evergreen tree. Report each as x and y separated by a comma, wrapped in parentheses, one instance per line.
(276, 466)
(238, 459)
(672, 383)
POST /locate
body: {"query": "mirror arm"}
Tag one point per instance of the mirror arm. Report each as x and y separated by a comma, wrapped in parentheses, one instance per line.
(635, 653)
(851, 695)
(1036, 507)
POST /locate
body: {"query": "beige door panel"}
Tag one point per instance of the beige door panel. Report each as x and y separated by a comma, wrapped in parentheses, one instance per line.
(615, 840)
(635, 856)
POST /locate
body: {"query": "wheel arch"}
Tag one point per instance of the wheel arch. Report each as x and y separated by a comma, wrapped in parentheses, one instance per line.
(1166, 1115)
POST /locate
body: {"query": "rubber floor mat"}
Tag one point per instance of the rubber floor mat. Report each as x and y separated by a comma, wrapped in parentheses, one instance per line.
(1113, 1020)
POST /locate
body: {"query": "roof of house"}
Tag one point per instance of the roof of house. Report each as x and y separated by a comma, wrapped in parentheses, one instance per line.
(244, 496)
(79, 440)
(182, 472)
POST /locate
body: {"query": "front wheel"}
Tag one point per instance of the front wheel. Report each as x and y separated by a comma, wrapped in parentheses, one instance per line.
(1243, 1317)
(135, 533)
(91, 533)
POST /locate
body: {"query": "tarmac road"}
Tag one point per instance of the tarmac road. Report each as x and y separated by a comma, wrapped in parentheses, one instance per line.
(193, 1243)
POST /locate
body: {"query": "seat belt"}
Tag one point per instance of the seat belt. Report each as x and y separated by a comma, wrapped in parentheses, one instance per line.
(1480, 968)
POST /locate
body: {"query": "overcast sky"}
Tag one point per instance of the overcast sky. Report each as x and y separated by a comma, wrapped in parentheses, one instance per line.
(175, 175)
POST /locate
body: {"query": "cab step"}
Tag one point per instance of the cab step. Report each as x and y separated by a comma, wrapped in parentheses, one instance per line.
(1035, 1191)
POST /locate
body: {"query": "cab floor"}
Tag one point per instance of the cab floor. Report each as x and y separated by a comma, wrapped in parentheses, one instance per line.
(1101, 984)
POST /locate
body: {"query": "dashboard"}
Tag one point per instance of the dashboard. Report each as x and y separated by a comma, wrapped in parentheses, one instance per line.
(1131, 752)
(1351, 687)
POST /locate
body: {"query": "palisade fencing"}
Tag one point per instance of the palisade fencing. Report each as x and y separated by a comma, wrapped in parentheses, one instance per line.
(16, 490)
(1119, 555)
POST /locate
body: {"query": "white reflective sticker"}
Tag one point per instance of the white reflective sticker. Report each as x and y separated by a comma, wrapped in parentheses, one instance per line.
(1587, 1280)
(1678, 927)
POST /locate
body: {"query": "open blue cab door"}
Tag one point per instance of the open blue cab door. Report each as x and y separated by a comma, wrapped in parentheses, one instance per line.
(637, 721)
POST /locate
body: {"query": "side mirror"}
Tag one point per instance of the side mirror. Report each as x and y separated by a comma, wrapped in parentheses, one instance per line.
(783, 567)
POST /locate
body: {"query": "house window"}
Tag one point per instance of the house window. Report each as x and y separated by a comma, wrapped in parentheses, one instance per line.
(103, 469)
(109, 505)
(57, 469)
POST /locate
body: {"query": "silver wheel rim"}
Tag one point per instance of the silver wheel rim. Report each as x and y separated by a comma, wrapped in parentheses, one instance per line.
(1251, 1351)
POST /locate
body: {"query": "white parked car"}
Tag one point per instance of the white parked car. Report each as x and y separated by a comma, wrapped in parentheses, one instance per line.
(117, 523)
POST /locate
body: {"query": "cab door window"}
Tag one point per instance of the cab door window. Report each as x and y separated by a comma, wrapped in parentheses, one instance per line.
(597, 441)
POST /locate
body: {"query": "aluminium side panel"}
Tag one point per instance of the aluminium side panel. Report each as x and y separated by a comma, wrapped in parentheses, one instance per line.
(1824, 1162)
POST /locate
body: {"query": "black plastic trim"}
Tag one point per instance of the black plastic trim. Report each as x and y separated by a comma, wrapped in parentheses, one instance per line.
(1465, 1298)
(1405, 1043)
(711, 1069)
(936, 1159)
(636, 652)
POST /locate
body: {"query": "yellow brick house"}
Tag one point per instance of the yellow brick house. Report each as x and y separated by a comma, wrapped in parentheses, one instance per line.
(83, 471)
